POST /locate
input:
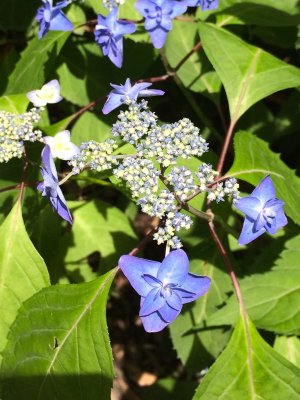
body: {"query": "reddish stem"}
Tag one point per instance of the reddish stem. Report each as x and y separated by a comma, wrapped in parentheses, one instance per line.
(225, 147)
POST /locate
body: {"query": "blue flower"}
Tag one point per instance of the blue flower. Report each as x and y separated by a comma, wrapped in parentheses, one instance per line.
(264, 213)
(109, 35)
(123, 93)
(205, 4)
(50, 186)
(163, 287)
(158, 17)
(52, 18)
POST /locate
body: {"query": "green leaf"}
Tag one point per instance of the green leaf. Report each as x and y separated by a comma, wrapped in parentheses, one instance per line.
(80, 63)
(254, 12)
(98, 227)
(89, 126)
(254, 160)
(22, 270)
(246, 71)
(289, 348)
(58, 347)
(195, 73)
(250, 369)
(16, 103)
(271, 298)
(36, 63)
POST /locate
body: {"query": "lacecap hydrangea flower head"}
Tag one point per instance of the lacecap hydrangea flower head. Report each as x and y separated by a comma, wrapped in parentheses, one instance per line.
(264, 212)
(164, 287)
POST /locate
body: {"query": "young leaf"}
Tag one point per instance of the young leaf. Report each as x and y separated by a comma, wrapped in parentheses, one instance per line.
(250, 369)
(22, 270)
(247, 72)
(58, 347)
(254, 160)
(36, 63)
(272, 298)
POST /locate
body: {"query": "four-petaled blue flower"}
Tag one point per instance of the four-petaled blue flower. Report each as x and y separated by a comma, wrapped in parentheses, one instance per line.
(163, 287)
(50, 186)
(158, 17)
(51, 18)
(264, 213)
(109, 35)
(205, 4)
(122, 93)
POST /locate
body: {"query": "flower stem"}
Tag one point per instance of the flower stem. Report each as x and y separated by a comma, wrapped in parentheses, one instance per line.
(67, 177)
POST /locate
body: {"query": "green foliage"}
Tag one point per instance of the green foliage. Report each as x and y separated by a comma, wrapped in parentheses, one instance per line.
(22, 270)
(36, 63)
(60, 329)
(15, 103)
(254, 160)
(246, 72)
(288, 347)
(195, 73)
(98, 228)
(271, 297)
(250, 369)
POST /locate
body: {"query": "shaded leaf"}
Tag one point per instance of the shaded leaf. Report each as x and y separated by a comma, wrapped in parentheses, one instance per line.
(36, 63)
(59, 347)
(195, 73)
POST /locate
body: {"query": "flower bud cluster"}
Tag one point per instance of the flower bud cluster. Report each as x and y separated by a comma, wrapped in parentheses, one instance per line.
(230, 188)
(14, 129)
(174, 222)
(140, 175)
(158, 205)
(110, 4)
(134, 123)
(97, 155)
(168, 142)
(183, 182)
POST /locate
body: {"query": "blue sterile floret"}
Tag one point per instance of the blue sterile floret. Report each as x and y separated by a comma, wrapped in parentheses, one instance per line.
(109, 34)
(158, 16)
(50, 186)
(264, 212)
(127, 93)
(163, 287)
(51, 18)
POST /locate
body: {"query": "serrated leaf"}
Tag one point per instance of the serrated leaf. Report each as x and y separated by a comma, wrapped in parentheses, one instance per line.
(254, 157)
(36, 63)
(22, 270)
(247, 72)
(289, 348)
(58, 347)
(250, 369)
(271, 298)
(195, 73)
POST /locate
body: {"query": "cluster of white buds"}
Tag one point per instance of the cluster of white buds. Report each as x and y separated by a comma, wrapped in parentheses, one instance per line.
(97, 155)
(140, 175)
(15, 129)
(134, 123)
